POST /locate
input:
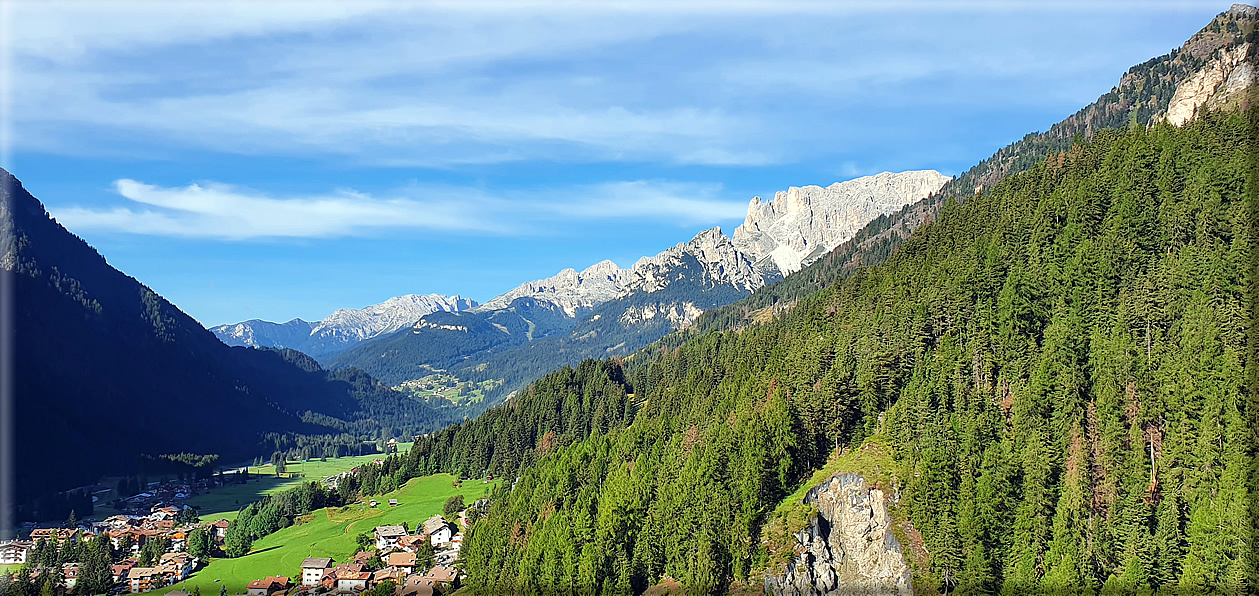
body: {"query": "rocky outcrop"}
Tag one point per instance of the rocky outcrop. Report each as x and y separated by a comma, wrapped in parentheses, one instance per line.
(678, 315)
(804, 223)
(720, 262)
(1223, 80)
(569, 289)
(848, 549)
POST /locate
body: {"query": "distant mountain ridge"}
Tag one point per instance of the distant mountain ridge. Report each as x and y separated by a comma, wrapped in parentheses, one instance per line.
(607, 310)
(1215, 69)
(776, 238)
(569, 289)
(341, 330)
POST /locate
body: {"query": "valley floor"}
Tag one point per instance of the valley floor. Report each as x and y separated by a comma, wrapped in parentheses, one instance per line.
(225, 502)
(331, 533)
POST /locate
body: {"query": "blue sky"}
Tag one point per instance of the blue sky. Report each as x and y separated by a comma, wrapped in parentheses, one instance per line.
(279, 160)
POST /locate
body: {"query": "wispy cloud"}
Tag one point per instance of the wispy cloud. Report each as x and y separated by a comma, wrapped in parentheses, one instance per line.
(438, 84)
(683, 203)
(214, 210)
(222, 211)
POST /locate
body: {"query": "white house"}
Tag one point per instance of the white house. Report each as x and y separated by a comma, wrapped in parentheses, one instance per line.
(438, 530)
(387, 536)
(402, 560)
(144, 579)
(352, 582)
(14, 552)
(314, 569)
(178, 565)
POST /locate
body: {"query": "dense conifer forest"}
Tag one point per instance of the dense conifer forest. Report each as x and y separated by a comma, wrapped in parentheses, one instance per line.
(1063, 366)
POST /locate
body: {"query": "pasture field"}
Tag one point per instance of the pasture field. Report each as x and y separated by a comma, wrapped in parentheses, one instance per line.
(224, 502)
(330, 532)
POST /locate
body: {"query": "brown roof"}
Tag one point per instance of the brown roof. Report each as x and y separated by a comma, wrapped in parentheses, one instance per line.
(402, 559)
(384, 574)
(350, 567)
(417, 586)
(269, 582)
(315, 563)
(441, 574)
(180, 558)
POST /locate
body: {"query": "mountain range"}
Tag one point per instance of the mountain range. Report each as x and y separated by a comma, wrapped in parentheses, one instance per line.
(1044, 376)
(608, 310)
(342, 329)
(101, 351)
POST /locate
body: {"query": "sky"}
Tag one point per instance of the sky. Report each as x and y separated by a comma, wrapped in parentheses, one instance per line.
(285, 159)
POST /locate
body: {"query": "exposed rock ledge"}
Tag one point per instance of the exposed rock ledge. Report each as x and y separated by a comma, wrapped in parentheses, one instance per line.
(848, 549)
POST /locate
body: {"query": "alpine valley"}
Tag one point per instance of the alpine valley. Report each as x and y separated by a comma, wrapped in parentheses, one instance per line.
(1039, 376)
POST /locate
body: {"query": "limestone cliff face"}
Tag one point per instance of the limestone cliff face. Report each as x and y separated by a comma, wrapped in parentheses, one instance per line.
(848, 549)
(569, 289)
(720, 261)
(1224, 78)
(803, 223)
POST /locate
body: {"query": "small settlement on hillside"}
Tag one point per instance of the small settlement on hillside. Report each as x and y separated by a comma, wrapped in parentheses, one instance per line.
(418, 564)
(397, 553)
(129, 534)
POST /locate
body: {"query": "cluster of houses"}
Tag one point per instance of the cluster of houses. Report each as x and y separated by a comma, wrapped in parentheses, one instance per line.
(172, 566)
(157, 493)
(396, 548)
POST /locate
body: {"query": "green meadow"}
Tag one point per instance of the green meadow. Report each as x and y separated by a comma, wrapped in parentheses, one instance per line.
(224, 502)
(330, 532)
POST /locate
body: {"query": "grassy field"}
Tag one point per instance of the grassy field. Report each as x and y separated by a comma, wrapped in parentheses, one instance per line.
(330, 533)
(223, 502)
(448, 387)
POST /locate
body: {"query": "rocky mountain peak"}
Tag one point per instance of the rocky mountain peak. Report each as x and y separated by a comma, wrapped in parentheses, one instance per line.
(568, 289)
(720, 261)
(605, 268)
(804, 222)
(1244, 11)
(342, 329)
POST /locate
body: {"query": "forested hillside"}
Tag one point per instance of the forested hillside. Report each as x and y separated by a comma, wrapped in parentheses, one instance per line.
(1141, 97)
(1064, 367)
(110, 377)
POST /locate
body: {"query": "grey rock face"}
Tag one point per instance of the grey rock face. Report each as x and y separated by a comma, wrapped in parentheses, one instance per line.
(849, 548)
(1229, 74)
(803, 223)
(722, 264)
(602, 282)
(569, 289)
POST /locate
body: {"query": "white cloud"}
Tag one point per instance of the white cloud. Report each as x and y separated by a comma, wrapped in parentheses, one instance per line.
(220, 211)
(437, 84)
(683, 203)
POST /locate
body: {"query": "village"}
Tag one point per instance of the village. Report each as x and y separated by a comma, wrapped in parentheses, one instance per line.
(167, 545)
(416, 564)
